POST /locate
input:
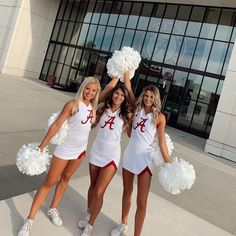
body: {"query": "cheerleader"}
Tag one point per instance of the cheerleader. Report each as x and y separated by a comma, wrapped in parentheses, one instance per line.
(147, 123)
(80, 113)
(112, 118)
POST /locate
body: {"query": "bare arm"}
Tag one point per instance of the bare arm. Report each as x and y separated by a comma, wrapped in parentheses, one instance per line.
(112, 84)
(64, 115)
(128, 86)
(162, 139)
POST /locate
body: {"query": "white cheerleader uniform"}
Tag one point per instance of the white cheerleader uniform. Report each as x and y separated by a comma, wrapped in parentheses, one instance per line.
(75, 143)
(106, 148)
(136, 157)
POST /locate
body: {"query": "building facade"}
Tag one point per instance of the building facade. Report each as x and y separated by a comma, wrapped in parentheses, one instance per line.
(187, 50)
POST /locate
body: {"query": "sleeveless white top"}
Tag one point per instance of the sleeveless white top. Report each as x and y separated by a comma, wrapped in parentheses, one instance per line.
(76, 140)
(136, 156)
(106, 147)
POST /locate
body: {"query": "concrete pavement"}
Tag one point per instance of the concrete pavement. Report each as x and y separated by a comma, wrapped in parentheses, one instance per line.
(209, 208)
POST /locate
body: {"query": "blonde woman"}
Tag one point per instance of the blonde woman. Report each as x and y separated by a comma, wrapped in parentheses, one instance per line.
(80, 113)
(147, 123)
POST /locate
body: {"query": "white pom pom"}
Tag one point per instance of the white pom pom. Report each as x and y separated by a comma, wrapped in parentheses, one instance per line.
(31, 161)
(177, 176)
(62, 132)
(155, 153)
(127, 59)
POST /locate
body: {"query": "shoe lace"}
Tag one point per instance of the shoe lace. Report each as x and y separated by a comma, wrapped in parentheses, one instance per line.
(53, 213)
(85, 217)
(27, 225)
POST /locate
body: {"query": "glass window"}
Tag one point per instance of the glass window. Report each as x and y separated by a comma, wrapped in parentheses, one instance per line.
(128, 37)
(125, 11)
(62, 9)
(107, 38)
(220, 86)
(50, 51)
(105, 13)
(145, 16)
(69, 31)
(225, 26)
(75, 10)
(186, 53)
(217, 57)
(138, 40)
(156, 18)
(44, 72)
(173, 49)
(167, 22)
(185, 113)
(117, 39)
(76, 58)
(134, 15)
(233, 35)
(179, 78)
(114, 13)
(200, 118)
(193, 85)
(62, 54)
(201, 54)
(208, 89)
(58, 69)
(160, 48)
(148, 45)
(226, 64)
(82, 11)
(62, 31)
(83, 34)
(210, 23)
(69, 55)
(99, 37)
(195, 22)
(89, 12)
(75, 33)
(56, 52)
(181, 20)
(97, 12)
(56, 30)
(68, 10)
(64, 75)
(52, 68)
(90, 36)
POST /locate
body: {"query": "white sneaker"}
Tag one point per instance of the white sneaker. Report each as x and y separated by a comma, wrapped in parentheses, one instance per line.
(87, 230)
(119, 230)
(83, 221)
(25, 229)
(53, 213)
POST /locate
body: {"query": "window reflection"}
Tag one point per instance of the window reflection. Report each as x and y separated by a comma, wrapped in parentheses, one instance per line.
(128, 37)
(201, 54)
(217, 57)
(187, 51)
(210, 23)
(195, 22)
(160, 48)
(107, 38)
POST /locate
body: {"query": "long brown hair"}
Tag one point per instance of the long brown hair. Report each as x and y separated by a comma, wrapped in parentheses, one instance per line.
(125, 106)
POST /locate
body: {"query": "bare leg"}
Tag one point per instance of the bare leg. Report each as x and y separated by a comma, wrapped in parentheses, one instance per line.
(128, 179)
(104, 178)
(56, 168)
(69, 170)
(93, 171)
(144, 182)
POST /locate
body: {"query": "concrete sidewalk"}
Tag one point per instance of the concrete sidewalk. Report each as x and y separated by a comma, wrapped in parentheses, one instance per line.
(209, 208)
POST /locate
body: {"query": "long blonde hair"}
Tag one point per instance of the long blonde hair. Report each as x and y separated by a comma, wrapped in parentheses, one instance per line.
(156, 107)
(79, 95)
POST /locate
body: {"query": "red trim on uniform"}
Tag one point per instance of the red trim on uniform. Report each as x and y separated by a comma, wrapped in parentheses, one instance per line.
(111, 163)
(144, 171)
(81, 155)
